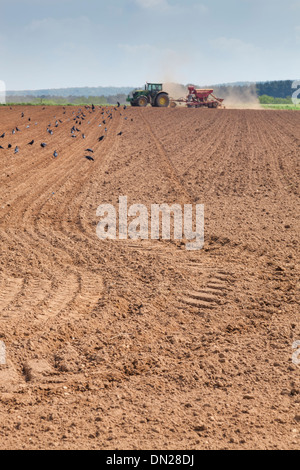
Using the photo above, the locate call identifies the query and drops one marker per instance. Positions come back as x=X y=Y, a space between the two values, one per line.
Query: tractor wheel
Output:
x=142 y=102
x=162 y=100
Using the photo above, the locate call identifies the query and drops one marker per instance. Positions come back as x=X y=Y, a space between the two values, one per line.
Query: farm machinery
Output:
x=199 y=98
x=153 y=94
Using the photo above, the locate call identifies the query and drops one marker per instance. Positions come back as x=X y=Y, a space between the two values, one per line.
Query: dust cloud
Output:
x=175 y=90
x=239 y=97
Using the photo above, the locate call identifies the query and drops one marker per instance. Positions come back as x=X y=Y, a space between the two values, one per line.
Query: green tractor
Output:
x=153 y=94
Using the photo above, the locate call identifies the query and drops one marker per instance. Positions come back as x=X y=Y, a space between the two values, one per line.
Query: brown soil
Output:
x=142 y=344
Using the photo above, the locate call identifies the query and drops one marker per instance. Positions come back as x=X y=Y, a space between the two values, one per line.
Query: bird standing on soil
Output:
x=55 y=154
x=16 y=150
x=43 y=145
x=91 y=159
x=31 y=143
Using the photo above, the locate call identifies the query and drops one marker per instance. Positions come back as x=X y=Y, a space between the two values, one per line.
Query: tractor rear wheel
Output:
x=142 y=102
x=162 y=100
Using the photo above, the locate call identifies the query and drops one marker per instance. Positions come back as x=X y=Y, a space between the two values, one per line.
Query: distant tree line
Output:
x=61 y=100
x=277 y=89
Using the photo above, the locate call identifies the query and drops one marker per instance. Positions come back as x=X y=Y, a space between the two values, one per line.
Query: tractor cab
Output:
x=154 y=88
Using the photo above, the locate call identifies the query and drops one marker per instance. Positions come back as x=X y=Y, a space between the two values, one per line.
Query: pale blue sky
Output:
x=64 y=43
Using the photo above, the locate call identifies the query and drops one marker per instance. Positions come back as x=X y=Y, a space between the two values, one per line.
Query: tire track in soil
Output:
x=209 y=296
x=89 y=286
x=74 y=285
x=9 y=290
x=213 y=291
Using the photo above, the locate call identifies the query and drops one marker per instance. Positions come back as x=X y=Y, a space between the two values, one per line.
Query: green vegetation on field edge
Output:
x=52 y=103
x=65 y=101
x=290 y=107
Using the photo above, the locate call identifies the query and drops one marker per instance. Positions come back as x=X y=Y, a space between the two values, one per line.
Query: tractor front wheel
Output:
x=142 y=102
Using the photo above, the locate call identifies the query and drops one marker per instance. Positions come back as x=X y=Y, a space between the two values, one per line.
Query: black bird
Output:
x=31 y=143
x=22 y=115
x=17 y=149
x=89 y=158
x=101 y=138
x=43 y=145
x=2 y=148
x=55 y=154
x=9 y=146
x=89 y=150
x=2 y=136
x=83 y=136
x=120 y=133
x=17 y=129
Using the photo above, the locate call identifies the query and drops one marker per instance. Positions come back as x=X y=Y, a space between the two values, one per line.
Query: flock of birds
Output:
x=78 y=117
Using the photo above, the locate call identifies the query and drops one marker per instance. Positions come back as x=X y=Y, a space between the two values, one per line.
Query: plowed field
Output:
x=143 y=344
